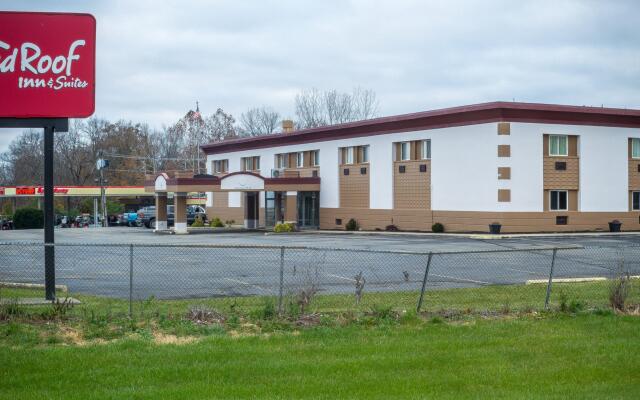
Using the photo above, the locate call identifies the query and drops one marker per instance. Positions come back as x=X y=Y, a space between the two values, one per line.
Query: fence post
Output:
x=424 y=283
x=281 y=280
x=553 y=262
x=130 y=280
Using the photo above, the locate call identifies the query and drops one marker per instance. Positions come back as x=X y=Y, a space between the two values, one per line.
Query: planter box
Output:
x=615 y=226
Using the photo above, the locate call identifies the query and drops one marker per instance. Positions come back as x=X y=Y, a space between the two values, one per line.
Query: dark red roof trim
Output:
x=292 y=181
x=216 y=180
x=443 y=118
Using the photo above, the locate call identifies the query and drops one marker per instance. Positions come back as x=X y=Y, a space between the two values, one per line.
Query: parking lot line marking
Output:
x=342 y=277
x=460 y=279
x=522 y=270
x=575 y=280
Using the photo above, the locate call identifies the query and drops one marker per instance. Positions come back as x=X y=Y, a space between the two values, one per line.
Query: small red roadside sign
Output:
x=47 y=65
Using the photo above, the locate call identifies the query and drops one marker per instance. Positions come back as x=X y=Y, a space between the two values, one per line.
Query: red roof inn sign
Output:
x=47 y=75
x=47 y=65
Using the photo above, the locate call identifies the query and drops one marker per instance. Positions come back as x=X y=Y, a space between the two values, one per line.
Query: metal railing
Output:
x=327 y=279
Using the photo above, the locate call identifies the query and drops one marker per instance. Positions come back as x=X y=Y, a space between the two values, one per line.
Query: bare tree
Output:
x=258 y=121
x=73 y=155
x=309 y=109
x=315 y=108
x=25 y=155
x=219 y=126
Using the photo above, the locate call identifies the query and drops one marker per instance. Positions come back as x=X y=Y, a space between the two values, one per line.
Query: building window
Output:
x=635 y=201
x=299 y=159
x=281 y=161
x=558 y=145
x=635 y=148
x=426 y=149
x=250 y=163
x=349 y=155
x=247 y=164
x=558 y=200
x=315 y=158
x=220 y=166
x=365 y=154
x=405 y=151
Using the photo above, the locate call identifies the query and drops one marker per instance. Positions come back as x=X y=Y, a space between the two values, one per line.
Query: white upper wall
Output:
x=465 y=165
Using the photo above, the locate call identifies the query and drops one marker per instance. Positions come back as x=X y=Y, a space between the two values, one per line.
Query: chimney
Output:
x=287 y=126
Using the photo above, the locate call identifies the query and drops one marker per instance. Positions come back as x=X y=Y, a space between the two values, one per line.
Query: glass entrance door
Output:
x=269 y=209
x=273 y=208
x=308 y=210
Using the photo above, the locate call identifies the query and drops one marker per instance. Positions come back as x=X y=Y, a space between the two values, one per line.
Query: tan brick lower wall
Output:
x=471 y=221
x=370 y=219
x=226 y=213
x=457 y=221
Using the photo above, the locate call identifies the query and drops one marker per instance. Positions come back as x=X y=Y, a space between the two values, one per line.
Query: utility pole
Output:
x=95 y=212
x=103 y=197
x=101 y=164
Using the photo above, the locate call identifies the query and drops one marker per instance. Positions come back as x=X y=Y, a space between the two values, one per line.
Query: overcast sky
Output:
x=156 y=58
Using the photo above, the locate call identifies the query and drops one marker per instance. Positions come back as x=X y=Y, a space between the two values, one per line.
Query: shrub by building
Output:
x=28 y=218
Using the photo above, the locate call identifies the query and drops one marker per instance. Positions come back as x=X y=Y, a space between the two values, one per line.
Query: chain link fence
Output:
x=314 y=279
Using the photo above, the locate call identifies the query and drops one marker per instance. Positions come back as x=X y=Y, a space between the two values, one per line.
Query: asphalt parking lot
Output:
x=392 y=242
x=98 y=261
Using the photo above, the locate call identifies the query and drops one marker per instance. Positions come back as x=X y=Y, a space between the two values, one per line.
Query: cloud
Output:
x=155 y=59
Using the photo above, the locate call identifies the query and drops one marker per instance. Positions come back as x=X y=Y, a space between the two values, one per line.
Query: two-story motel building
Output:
x=530 y=167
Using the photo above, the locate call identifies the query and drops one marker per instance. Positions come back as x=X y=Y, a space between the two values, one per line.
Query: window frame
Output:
x=558 y=191
x=365 y=154
x=426 y=149
x=558 y=153
x=220 y=166
x=349 y=155
x=255 y=163
x=247 y=163
x=315 y=158
x=633 y=202
x=635 y=145
x=279 y=160
x=402 y=147
x=300 y=159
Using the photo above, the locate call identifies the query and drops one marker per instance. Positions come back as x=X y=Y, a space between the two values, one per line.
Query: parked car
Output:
x=132 y=218
x=84 y=220
x=6 y=223
x=113 y=220
x=145 y=214
x=65 y=221
x=148 y=215
x=129 y=218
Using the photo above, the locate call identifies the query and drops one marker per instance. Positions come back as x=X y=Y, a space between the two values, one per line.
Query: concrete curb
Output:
x=17 y=285
x=203 y=230
x=482 y=236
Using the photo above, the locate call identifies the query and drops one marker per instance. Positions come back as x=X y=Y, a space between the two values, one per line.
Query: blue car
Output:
x=129 y=219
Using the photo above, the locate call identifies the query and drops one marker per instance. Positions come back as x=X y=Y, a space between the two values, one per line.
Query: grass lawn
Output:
x=556 y=356
x=488 y=342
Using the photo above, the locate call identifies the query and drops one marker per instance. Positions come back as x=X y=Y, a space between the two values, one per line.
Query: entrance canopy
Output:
x=233 y=182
